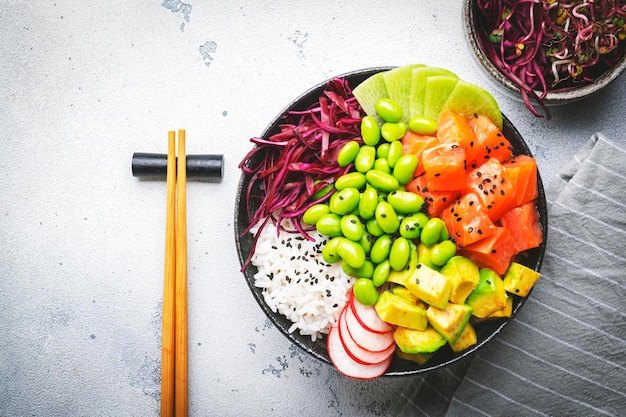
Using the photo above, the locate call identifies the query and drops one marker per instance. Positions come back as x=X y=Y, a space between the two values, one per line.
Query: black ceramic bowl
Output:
x=485 y=331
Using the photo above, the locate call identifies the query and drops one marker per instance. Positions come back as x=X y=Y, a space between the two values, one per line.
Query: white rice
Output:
x=297 y=282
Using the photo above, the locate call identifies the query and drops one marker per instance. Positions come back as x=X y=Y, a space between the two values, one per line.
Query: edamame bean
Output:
x=329 y=225
x=329 y=252
x=344 y=201
x=411 y=226
x=370 y=131
x=366 y=271
x=404 y=169
x=431 y=231
x=381 y=248
x=381 y=273
x=351 y=180
x=405 y=202
x=388 y=110
x=399 y=254
x=381 y=180
x=368 y=203
x=373 y=227
x=351 y=252
x=323 y=191
x=395 y=152
x=365 y=159
x=442 y=252
x=423 y=125
x=313 y=213
x=381 y=164
x=347 y=153
x=386 y=217
x=382 y=150
x=365 y=291
x=392 y=131
x=367 y=240
x=444 y=233
x=351 y=227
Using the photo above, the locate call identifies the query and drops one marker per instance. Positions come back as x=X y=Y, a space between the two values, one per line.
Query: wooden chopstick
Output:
x=180 y=385
x=168 y=330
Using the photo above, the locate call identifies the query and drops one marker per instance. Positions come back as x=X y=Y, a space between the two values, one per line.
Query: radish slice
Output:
x=368 y=317
x=348 y=366
x=366 y=339
x=355 y=351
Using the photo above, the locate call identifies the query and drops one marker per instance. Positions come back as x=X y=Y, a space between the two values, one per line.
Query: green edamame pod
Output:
x=405 y=202
x=395 y=152
x=344 y=201
x=370 y=131
x=382 y=150
x=329 y=252
x=381 y=180
x=347 y=153
x=329 y=225
x=386 y=217
x=392 y=131
x=381 y=164
x=366 y=271
x=388 y=110
x=351 y=180
x=351 y=252
x=404 y=169
x=365 y=159
x=381 y=248
x=423 y=125
x=381 y=273
x=351 y=227
x=399 y=254
x=432 y=231
x=442 y=252
x=313 y=213
x=368 y=203
x=373 y=227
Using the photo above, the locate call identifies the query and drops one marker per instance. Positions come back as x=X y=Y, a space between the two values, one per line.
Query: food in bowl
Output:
x=549 y=51
x=336 y=181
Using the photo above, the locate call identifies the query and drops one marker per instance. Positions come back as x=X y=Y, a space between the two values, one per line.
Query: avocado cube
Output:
x=520 y=279
x=506 y=312
x=464 y=275
x=418 y=358
x=418 y=341
x=394 y=309
x=489 y=295
x=430 y=286
x=450 y=321
x=466 y=339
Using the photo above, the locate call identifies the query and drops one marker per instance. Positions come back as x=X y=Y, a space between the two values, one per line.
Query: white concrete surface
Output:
x=85 y=84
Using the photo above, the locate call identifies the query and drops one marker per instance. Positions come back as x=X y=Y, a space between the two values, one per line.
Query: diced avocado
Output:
x=464 y=275
x=465 y=340
x=429 y=286
x=418 y=358
x=418 y=341
x=506 y=312
x=520 y=279
x=399 y=277
x=407 y=295
x=489 y=295
x=396 y=310
x=423 y=255
x=450 y=321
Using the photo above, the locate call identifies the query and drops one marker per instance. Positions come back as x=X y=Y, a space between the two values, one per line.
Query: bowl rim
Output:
x=304 y=342
x=551 y=97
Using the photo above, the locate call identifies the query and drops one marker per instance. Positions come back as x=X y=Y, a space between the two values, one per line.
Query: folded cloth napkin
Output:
x=564 y=353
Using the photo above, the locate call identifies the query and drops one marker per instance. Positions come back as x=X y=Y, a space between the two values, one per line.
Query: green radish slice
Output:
x=468 y=98
x=369 y=91
x=438 y=89
x=418 y=87
x=398 y=84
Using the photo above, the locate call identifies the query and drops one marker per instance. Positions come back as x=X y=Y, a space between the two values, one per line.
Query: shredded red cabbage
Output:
x=551 y=45
x=299 y=161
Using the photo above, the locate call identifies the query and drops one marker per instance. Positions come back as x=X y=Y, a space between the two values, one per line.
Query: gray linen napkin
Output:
x=564 y=354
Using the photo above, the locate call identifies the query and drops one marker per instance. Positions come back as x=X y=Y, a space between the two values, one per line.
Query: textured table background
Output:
x=83 y=85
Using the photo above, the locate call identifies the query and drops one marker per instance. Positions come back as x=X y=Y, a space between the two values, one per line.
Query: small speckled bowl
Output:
x=510 y=89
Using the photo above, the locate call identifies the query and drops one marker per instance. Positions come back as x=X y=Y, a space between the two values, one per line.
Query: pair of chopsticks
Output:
x=174 y=336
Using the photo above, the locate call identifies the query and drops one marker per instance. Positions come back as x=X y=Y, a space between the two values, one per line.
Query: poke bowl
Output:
x=547 y=53
x=249 y=199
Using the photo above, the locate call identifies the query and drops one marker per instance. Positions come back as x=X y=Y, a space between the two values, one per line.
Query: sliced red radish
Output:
x=368 y=317
x=366 y=339
x=348 y=366
x=355 y=351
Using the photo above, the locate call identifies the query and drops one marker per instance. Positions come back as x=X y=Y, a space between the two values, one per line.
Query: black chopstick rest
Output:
x=154 y=165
